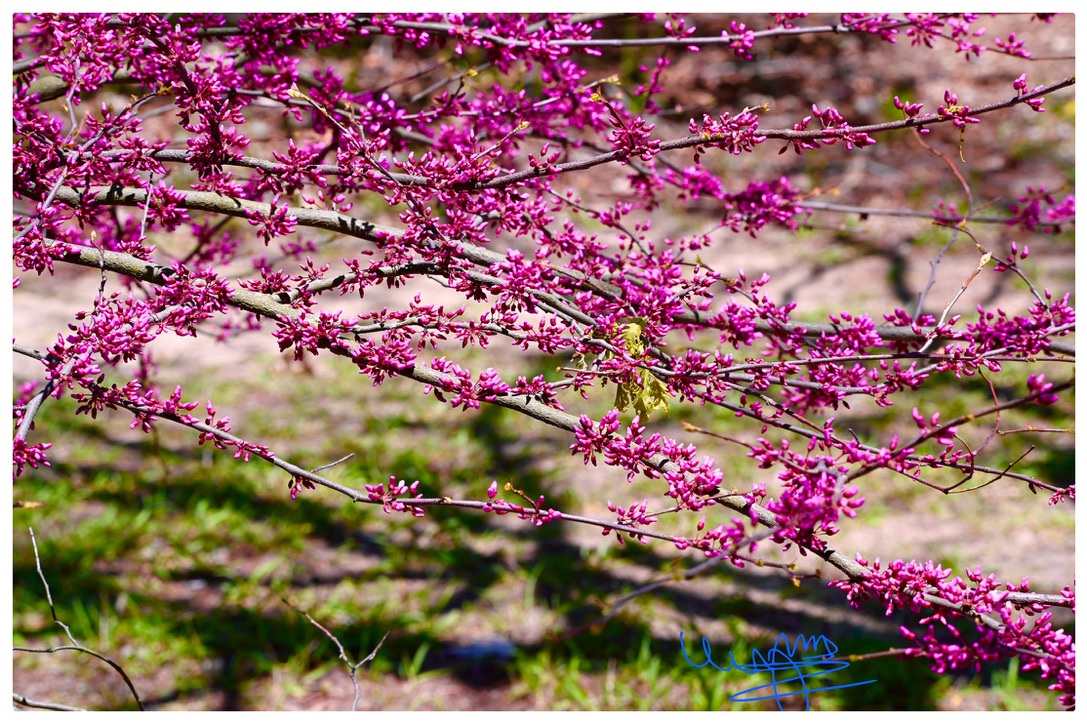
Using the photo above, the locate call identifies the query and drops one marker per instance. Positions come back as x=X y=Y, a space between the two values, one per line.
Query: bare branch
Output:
x=23 y=700
x=352 y=667
x=75 y=643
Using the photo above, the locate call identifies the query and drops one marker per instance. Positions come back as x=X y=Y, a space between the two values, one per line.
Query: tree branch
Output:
x=351 y=226
x=75 y=644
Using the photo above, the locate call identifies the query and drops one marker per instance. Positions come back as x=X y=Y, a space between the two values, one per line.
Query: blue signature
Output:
x=782 y=657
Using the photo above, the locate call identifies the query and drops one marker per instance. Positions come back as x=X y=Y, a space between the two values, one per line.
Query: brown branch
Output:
x=919 y=121
x=44 y=705
x=357 y=228
x=353 y=667
x=786 y=135
x=865 y=211
x=567 y=422
x=527 y=406
x=75 y=644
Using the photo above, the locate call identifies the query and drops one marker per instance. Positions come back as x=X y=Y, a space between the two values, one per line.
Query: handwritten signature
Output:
x=782 y=657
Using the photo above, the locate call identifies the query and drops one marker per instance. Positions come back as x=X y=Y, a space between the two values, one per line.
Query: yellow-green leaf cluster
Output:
x=645 y=392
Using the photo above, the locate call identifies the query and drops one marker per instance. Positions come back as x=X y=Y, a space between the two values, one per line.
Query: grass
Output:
x=184 y=565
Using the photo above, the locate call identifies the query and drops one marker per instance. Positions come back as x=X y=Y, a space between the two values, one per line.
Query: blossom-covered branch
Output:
x=239 y=175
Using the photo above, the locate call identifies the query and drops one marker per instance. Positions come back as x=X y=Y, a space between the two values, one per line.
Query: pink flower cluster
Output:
x=968 y=622
x=179 y=153
x=390 y=495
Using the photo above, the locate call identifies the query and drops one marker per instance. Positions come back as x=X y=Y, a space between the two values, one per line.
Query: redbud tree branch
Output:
x=464 y=146
x=357 y=228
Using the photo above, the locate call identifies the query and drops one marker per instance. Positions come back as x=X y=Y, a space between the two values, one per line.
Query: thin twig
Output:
x=864 y=211
x=75 y=643
x=147 y=205
x=934 y=263
x=947 y=309
x=353 y=667
x=333 y=464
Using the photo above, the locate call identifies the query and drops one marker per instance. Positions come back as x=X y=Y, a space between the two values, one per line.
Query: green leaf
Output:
x=646 y=393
